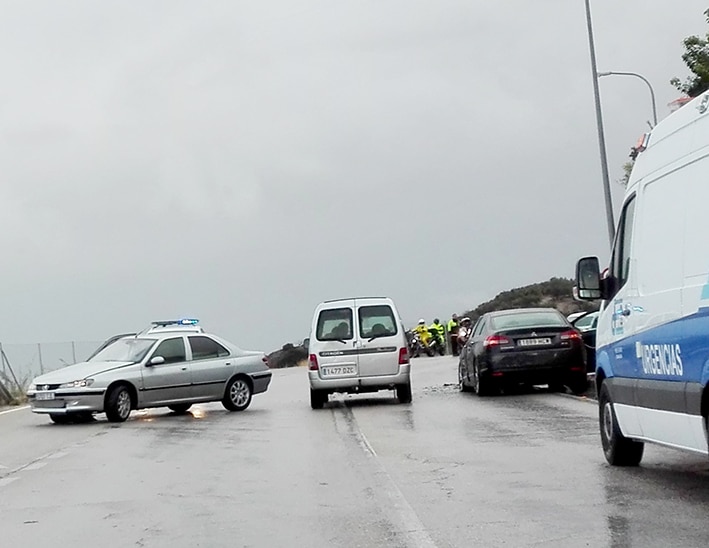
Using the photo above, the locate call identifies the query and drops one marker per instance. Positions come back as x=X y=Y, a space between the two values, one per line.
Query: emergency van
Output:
x=652 y=347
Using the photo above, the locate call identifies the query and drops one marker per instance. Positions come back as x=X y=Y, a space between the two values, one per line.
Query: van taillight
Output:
x=403 y=356
x=313 y=362
x=495 y=340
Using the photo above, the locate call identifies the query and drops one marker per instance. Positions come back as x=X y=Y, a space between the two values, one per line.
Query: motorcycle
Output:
x=437 y=343
x=416 y=345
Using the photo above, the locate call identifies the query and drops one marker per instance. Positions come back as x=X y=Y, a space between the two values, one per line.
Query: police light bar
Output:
x=184 y=321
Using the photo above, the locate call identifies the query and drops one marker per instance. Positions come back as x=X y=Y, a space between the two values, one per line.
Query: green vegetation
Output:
x=555 y=293
x=696 y=57
x=288 y=356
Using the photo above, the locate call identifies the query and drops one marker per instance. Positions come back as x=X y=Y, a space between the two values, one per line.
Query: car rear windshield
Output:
x=376 y=321
x=335 y=325
x=522 y=320
x=124 y=350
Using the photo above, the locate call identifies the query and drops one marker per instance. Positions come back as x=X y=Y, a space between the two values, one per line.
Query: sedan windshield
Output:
x=124 y=350
x=528 y=319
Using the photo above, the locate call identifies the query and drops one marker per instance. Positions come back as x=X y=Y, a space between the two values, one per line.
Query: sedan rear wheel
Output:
x=481 y=384
x=238 y=394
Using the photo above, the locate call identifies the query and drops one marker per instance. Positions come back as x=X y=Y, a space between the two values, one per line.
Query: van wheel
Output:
x=618 y=450
x=60 y=419
x=318 y=399
x=403 y=393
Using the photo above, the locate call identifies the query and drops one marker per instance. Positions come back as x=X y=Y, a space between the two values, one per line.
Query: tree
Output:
x=696 y=57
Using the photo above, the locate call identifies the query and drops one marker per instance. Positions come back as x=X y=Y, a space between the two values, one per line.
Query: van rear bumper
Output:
x=360 y=384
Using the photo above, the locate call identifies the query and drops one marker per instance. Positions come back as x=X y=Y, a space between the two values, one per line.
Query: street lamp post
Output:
x=599 y=124
x=636 y=75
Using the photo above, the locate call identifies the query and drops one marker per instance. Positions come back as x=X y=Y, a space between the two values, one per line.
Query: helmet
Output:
x=422 y=321
x=436 y=321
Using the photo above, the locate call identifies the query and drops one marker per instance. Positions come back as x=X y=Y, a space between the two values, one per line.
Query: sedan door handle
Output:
x=228 y=363
x=184 y=368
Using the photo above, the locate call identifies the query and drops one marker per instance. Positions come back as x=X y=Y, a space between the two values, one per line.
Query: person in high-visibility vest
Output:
x=422 y=332
x=453 y=327
x=438 y=331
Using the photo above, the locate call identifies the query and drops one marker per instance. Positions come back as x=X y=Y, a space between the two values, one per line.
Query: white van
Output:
x=652 y=361
x=358 y=345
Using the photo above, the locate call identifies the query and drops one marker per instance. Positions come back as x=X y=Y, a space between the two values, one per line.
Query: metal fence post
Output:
x=4 y=370
x=73 y=351
x=41 y=365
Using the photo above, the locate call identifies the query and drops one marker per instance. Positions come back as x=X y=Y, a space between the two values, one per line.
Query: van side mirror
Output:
x=588 y=280
x=156 y=360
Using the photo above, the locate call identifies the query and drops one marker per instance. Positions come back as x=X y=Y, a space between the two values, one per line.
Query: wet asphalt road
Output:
x=450 y=469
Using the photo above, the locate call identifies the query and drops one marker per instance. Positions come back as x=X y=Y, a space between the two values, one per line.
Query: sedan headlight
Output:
x=83 y=383
x=32 y=388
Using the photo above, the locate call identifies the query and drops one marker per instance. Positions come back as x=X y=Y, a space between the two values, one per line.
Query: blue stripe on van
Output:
x=677 y=351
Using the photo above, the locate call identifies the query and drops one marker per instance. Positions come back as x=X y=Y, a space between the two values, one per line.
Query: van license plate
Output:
x=535 y=342
x=44 y=396
x=339 y=371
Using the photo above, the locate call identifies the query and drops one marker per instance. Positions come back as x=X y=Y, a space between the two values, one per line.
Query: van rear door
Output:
x=379 y=338
x=336 y=344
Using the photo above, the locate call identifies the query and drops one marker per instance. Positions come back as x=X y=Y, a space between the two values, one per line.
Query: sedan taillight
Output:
x=495 y=340
x=571 y=335
x=313 y=366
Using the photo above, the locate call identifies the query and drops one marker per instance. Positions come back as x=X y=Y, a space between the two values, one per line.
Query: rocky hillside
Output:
x=556 y=293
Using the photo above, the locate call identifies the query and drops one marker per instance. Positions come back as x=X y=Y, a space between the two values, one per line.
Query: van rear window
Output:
x=376 y=321
x=335 y=325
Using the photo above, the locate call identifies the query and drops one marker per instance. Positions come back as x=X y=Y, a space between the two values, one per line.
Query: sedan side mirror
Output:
x=156 y=360
x=588 y=279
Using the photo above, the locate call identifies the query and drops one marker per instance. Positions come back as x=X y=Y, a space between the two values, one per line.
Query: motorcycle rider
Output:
x=453 y=327
x=422 y=331
x=439 y=332
x=466 y=328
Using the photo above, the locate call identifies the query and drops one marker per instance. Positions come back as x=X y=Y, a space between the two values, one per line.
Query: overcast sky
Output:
x=240 y=161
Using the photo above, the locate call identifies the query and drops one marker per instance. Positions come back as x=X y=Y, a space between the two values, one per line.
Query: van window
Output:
x=335 y=325
x=376 y=321
x=622 y=249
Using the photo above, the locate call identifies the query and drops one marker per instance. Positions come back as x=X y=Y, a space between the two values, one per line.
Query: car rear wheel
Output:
x=238 y=394
x=464 y=387
x=618 y=450
x=579 y=385
x=318 y=399
x=60 y=419
x=180 y=409
x=481 y=385
x=557 y=387
x=403 y=393
x=118 y=404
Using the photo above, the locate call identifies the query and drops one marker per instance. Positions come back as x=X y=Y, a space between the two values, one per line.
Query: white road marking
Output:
x=36 y=466
x=412 y=528
x=58 y=455
x=7 y=481
x=15 y=409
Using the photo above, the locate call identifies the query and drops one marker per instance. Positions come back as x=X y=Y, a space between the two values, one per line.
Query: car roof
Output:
x=511 y=311
x=356 y=299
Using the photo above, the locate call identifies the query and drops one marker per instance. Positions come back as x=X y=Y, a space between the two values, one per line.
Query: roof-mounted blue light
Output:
x=189 y=321
x=183 y=321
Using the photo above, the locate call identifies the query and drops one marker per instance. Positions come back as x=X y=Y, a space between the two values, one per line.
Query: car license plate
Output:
x=44 y=396
x=339 y=371
x=535 y=342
